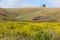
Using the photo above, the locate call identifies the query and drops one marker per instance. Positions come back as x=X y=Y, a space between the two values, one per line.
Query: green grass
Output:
x=29 y=30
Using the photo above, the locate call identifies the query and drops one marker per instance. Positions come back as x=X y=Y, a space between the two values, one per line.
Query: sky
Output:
x=25 y=3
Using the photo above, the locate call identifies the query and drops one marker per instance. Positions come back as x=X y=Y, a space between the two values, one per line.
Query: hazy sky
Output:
x=24 y=3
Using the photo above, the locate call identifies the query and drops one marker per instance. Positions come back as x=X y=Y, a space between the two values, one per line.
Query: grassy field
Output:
x=30 y=23
x=29 y=30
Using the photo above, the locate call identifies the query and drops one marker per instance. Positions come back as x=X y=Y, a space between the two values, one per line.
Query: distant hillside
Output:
x=4 y=15
x=30 y=14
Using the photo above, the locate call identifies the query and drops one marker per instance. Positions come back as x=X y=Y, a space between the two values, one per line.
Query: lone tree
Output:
x=43 y=5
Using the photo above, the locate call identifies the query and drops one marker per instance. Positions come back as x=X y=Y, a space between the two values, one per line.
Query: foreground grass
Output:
x=29 y=30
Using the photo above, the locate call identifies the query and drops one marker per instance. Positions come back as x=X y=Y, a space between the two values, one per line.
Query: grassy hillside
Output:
x=4 y=15
x=33 y=14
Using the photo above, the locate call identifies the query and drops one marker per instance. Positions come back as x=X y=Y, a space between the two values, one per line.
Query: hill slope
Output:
x=4 y=15
x=33 y=14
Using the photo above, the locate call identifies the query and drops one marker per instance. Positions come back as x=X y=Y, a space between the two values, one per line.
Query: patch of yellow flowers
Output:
x=30 y=28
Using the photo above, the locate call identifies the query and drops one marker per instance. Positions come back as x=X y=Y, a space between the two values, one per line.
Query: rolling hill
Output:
x=30 y=14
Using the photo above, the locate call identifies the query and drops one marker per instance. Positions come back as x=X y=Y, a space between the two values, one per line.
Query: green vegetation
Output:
x=29 y=30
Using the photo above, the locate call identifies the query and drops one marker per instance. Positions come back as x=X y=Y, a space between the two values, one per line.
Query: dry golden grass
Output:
x=27 y=14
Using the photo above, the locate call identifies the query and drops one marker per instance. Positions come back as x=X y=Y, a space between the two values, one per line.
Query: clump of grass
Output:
x=41 y=35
